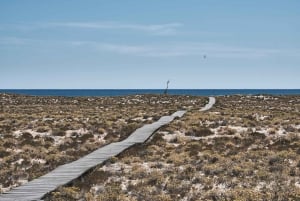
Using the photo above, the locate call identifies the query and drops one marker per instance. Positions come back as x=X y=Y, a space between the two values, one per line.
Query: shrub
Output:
x=58 y=132
x=3 y=153
x=42 y=129
x=85 y=137
x=199 y=132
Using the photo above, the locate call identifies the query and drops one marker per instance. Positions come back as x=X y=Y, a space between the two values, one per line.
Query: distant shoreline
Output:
x=125 y=92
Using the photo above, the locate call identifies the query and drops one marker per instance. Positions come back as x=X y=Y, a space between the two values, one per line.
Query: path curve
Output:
x=209 y=105
x=64 y=174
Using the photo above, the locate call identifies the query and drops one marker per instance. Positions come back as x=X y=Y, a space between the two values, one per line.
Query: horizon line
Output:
x=151 y=89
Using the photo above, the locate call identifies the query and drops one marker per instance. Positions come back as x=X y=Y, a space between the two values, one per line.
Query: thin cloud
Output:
x=182 y=49
x=15 y=41
x=155 y=29
x=178 y=49
x=160 y=29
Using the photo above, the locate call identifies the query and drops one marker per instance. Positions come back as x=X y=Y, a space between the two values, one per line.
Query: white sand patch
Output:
x=140 y=119
x=255 y=147
x=292 y=162
x=80 y=131
x=219 y=133
x=220 y=187
x=207 y=123
x=22 y=181
x=108 y=168
x=58 y=140
x=271 y=132
x=296 y=126
x=262 y=118
x=34 y=121
x=151 y=118
x=260 y=97
x=297 y=184
x=121 y=121
x=134 y=182
x=97 y=189
x=47 y=119
x=259 y=117
x=263 y=131
x=136 y=99
x=37 y=161
x=216 y=113
x=19 y=162
x=17 y=150
x=169 y=138
x=116 y=167
x=181 y=168
x=239 y=129
x=281 y=131
x=223 y=129
x=146 y=167
x=4 y=190
x=124 y=184
x=177 y=135
x=218 y=130
x=100 y=137
x=260 y=186
x=197 y=187
x=18 y=133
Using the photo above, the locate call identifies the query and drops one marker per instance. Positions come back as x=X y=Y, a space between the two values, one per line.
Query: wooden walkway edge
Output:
x=36 y=189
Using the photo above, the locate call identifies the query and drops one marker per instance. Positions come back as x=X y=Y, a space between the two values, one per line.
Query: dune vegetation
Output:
x=37 y=134
x=245 y=148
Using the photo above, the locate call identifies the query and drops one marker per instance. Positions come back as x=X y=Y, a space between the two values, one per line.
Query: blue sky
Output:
x=98 y=44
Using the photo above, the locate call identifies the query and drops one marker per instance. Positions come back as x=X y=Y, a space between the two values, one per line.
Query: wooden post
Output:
x=166 y=90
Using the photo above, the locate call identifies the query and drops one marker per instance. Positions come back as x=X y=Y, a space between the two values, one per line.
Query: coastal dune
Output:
x=65 y=173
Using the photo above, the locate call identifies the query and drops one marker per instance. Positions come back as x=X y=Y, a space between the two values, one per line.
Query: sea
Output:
x=124 y=92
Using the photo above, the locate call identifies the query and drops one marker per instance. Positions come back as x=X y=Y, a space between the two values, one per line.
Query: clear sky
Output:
x=202 y=44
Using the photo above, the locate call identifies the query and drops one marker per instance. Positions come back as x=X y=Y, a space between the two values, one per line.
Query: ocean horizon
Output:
x=125 y=92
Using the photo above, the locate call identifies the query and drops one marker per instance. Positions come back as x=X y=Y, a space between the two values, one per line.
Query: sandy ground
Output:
x=37 y=134
x=245 y=148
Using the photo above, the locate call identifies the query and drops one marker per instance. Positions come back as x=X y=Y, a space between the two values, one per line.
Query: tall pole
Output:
x=166 y=90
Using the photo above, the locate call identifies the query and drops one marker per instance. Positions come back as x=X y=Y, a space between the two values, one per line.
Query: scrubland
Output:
x=37 y=134
x=245 y=148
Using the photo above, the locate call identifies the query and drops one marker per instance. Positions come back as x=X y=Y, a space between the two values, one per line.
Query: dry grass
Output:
x=39 y=133
x=245 y=148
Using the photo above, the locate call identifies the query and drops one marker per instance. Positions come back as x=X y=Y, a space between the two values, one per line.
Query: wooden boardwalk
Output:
x=37 y=188
x=211 y=102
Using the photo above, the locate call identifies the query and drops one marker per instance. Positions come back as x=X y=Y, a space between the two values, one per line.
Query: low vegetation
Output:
x=245 y=148
x=37 y=134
